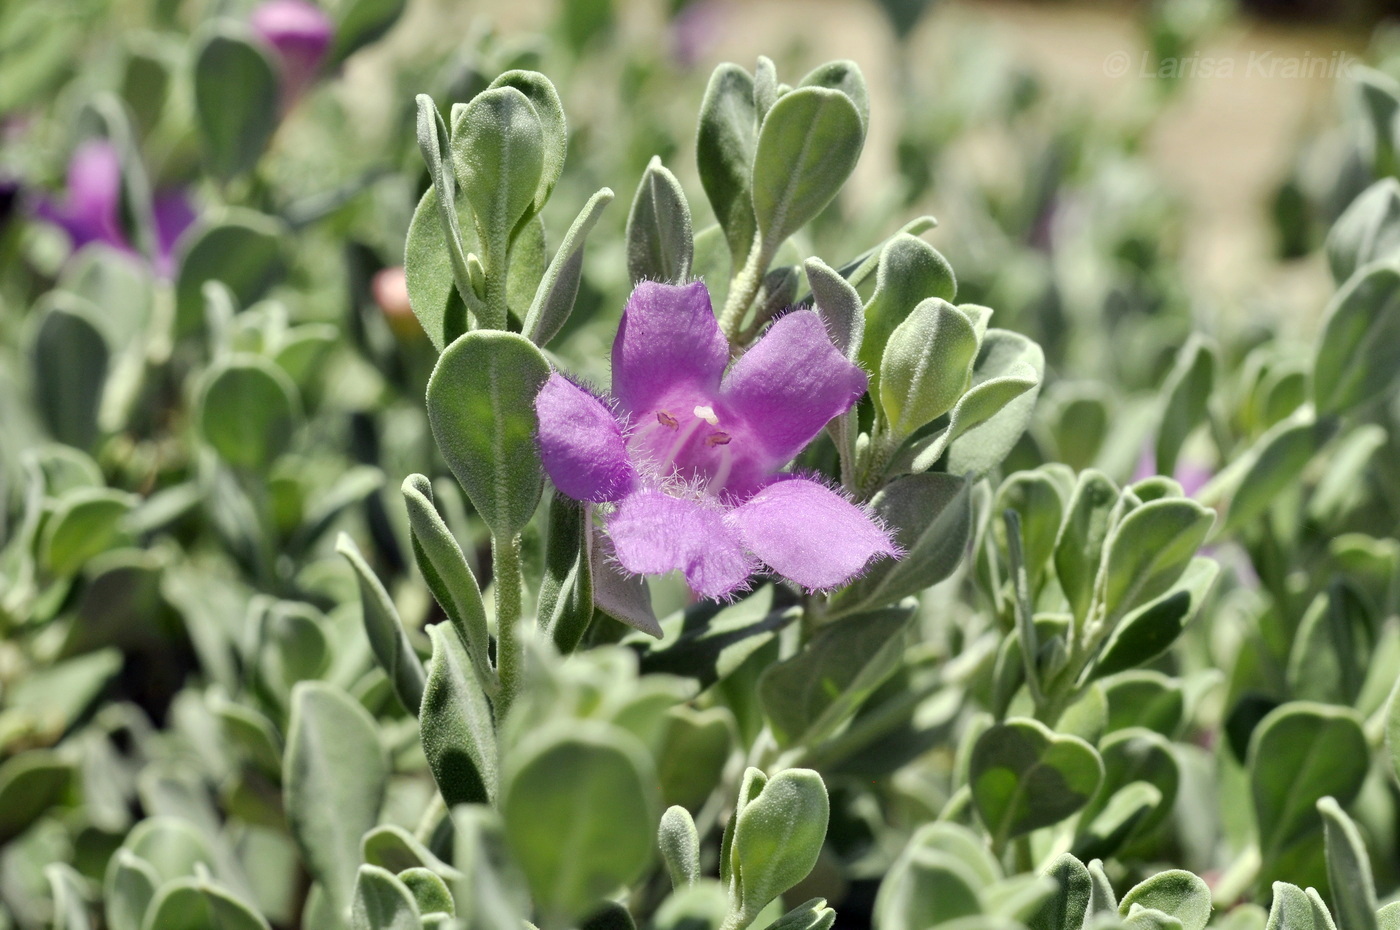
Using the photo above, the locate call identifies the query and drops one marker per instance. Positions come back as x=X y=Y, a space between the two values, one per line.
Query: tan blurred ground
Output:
x=1223 y=145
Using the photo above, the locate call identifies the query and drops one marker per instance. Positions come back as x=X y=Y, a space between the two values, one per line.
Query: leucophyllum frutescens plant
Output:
x=801 y=457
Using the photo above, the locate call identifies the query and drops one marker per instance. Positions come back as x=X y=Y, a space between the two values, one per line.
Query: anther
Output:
x=707 y=414
x=717 y=439
x=666 y=420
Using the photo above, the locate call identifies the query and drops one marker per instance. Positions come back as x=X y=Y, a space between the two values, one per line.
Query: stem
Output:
x=743 y=288
x=497 y=267
x=437 y=809
x=510 y=648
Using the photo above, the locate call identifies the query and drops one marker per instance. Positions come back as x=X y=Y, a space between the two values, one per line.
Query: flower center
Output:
x=683 y=440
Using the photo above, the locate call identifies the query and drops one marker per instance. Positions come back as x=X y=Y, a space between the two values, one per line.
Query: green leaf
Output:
x=334 y=776
x=1023 y=777
x=702 y=906
x=809 y=915
x=429 y=278
x=438 y=293
x=693 y=754
x=128 y=891
x=989 y=419
x=1174 y=892
x=927 y=887
x=51 y=699
x=680 y=846
x=1137 y=754
x=725 y=143
x=498 y=151
x=448 y=575
x=1292 y=909
x=777 y=837
x=247 y=410
x=558 y=288
x=1119 y=820
x=1299 y=754
x=242 y=249
x=1367 y=231
x=846 y=77
x=554 y=128
x=660 y=243
x=1348 y=869
x=1259 y=477
x=807 y=147
x=481 y=399
x=385 y=631
x=1079 y=546
x=926 y=366
x=1331 y=647
x=1359 y=352
x=429 y=890
x=807 y=697
x=455 y=724
x=382 y=902
x=909 y=272
x=1067 y=908
x=69 y=900
x=491 y=894
x=86 y=523
x=1148 y=551
x=31 y=783
x=1187 y=393
x=1038 y=502
x=69 y=361
x=579 y=805
x=359 y=23
x=1150 y=630
x=839 y=305
x=196 y=904
x=931 y=517
x=236 y=94
x=391 y=847
x=1144 y=698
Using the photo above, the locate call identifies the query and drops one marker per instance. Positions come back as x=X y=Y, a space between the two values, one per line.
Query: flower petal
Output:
x=655 y=533
x=581 y=443
x=790 y=384
x=809 y=533
x=668 y=341
x=95 y=182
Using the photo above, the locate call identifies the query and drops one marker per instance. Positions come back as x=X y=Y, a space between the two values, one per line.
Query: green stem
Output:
x=510 y=648
x=497 y=265
x=743 y=288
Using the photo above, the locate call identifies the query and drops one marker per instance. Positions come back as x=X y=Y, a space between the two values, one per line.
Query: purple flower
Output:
x=694 y=30
x=90 y=210
x=689 y=453
x=91 y=207
x=300 y=33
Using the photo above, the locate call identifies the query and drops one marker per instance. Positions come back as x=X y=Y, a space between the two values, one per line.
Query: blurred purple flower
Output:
x=90 y=210
x=690 y=453
x=300 y=33
x=694 y=30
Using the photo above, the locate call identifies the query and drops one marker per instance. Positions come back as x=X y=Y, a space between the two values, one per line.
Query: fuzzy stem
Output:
x=510 y=648
x=743 y=288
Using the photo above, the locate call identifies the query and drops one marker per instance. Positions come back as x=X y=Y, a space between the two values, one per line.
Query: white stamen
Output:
x=707 y=414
